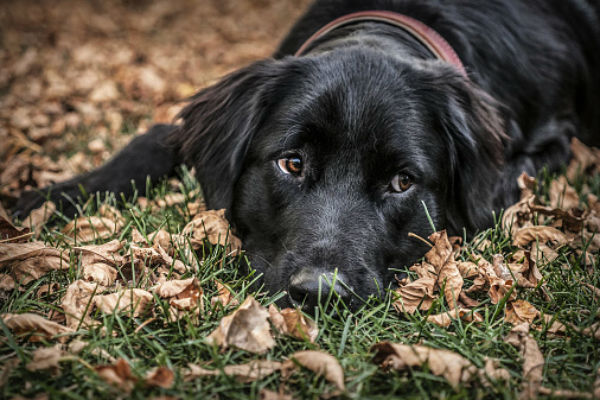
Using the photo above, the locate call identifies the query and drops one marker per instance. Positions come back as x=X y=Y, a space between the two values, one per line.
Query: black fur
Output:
x=367 y=102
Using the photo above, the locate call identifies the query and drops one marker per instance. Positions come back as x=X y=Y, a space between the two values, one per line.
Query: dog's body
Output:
x=325 y=161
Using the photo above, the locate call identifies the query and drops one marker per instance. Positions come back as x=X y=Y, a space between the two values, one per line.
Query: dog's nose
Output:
x=309 y=288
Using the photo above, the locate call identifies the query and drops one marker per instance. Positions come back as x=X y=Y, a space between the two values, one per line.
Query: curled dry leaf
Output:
x=30 y=261
x=488 y=277
x=319 y=362
x=99 y=262
x=533 y=360
x=266 y=394
x=136 y=301
x=87 y=229
x=292 y=322
x=584 y=158
x=416 y=294
x=38 y=217
x=118 y=375
x=445 y=319
x=7 y=282
x=36 y=325
x=212 y=226
x=249 y=372
x=225 y=297
x=185 y=295
x=452 y=366
x=10 y=233
x=441 y=257
x=562 y=195
x=160 y=377
x=520 y=311
x=77 y=303
x=246 y=328
x=543 y=234
x=46 y=358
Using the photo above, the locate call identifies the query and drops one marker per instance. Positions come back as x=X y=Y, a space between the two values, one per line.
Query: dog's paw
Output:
x=29 y=201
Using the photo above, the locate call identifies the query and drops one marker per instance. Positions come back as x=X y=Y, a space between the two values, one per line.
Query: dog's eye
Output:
x=291 y=165
x=400 y=183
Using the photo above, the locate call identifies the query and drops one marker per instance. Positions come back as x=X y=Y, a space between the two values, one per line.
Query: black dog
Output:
x=326 y=161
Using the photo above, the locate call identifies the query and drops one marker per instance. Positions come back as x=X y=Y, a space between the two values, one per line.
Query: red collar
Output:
x=426 y=35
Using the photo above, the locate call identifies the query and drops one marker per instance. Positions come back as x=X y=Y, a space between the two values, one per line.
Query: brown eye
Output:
x=401 y=183
x=291 y=165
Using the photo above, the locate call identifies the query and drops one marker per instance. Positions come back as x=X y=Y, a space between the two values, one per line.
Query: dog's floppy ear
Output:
x=472 y=125
x=219 y=124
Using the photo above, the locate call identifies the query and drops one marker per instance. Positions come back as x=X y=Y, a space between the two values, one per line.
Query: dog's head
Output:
x=326 y=163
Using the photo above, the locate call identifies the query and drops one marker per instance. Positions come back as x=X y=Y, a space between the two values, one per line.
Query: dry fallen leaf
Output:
x=10 y=233
x=533 y=360
x=46 y=358
x=266 y=394
x=520 y=311
x=246 y=328
x=225 y=297
x=319 y=362
x=30 y=261
x=7 y=282
x=38 y=217
x=36 y=325
x=213 y=226
x=136 y=301
x=445 y=319
x=87 y=229
x=543 y=234
x=249 y=372
x=185 y=295
x=292 y=322
x=118 y=374
x=562 y=195
x=452 y=366
x=441 y=256
x=77 y=302
x=416 y=294
x=160 y=377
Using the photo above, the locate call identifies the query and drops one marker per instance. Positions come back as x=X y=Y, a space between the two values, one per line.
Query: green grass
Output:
x=571 y=360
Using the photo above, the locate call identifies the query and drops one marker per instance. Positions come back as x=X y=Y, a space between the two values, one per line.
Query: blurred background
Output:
x=79 y=78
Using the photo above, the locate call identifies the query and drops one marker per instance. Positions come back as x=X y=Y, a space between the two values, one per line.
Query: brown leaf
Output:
x=6 y=282
x=249 y=372
x=36 y=325
x=185 y=295
x=225 y=296
x=160 y=377
x=555 y=325
x=213 y=226
x=246 y=328
x=10 y=233
x=46 y=358
x=30 y=261
x=118 y=374
x=520 y=311
x=583 y=159
x=468 y=269
x=77 y=302
x=292 y=322
x=87 y=229
x=592 y=331
x=319 y=362
x=441 y=257
x=38 y=217
x=564 y=394
x=452 y=366
x=136 y=301
x=533 y=360
x=543 y=234
x=416 y=294
x=445 y=319
x=266 y=394
x=562 y=195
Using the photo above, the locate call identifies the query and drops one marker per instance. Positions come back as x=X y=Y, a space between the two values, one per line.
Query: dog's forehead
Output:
x=361 y=104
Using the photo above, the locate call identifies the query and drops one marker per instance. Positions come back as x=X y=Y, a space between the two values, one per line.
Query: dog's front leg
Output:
x=146 y=156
